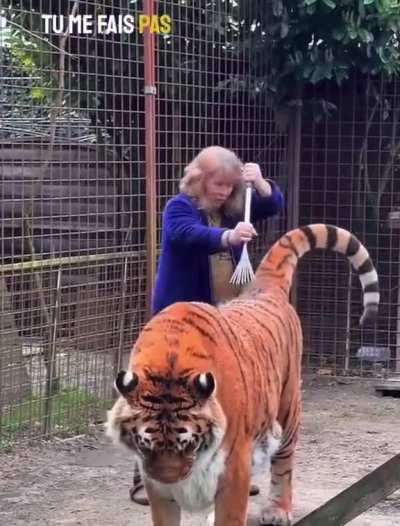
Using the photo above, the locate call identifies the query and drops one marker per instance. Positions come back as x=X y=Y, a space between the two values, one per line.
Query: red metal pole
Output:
x=150 y=156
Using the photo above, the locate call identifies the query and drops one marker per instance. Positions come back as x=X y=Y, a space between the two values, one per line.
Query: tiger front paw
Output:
x=210 y=519
x=274 y=515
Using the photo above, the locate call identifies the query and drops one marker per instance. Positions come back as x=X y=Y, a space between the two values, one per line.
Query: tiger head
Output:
x=168 y=413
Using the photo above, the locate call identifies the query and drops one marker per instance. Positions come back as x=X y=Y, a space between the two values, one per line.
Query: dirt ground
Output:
x=347 y=431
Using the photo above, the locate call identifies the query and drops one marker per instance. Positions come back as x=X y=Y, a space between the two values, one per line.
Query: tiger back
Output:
x=213 y=393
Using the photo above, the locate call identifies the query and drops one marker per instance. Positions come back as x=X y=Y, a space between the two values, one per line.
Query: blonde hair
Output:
x=226 y=162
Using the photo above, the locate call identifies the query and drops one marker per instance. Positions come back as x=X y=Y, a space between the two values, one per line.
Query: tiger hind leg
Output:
x=278 y=511
x=210 y=520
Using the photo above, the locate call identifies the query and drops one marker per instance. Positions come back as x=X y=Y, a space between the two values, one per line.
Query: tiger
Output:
x=213 y=393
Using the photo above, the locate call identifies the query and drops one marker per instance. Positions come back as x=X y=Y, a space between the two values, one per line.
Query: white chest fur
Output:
x=262 y=455
x=197 y=492
x=265 y=449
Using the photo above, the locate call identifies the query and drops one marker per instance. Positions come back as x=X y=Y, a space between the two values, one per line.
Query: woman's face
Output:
x=217 y=189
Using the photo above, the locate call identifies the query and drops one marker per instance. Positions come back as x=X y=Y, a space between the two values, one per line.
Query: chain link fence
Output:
x=349 y=176
x=73 y=211
x=74 y=235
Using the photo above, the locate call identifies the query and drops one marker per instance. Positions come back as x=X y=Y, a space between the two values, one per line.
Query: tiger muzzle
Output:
x=168 y=468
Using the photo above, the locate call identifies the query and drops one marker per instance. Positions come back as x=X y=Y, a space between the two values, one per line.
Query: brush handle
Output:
x=247 y=205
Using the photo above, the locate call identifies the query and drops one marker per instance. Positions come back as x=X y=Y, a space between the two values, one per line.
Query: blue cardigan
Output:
x=186 y=243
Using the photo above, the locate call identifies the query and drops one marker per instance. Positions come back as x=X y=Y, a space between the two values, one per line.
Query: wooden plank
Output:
x=391 y=385
x=388 y=387
x=60 y=152
x=68 y=172
x=102 y=209
x=17 y=189
x=358 y=498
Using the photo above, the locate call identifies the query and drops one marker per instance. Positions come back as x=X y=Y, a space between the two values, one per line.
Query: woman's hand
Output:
x=242 y=233
x=252 y=174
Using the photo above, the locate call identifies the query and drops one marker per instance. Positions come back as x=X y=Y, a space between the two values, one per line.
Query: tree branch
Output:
x=393 y=153
x=34 y=35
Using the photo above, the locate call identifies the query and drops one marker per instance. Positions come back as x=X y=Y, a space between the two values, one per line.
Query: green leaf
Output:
x=338 y=33
x=307 y=71
x=340 y=74
x=353 y=33
x=330 y=3
x=38 y=94
x=365 y=35
x=319 y=73
x=27 y=62
x=277 y=7
x=394 y=25
x=383 y=55
x=368 y=2
x=328 y=55
x=298 y=57
x=284 y=29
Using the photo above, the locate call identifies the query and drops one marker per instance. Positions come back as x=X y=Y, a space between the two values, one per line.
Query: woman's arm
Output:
x=182 y=227
x=267 y=198
x=263 y=207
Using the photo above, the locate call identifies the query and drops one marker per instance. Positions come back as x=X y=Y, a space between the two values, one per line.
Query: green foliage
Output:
x=23 y=57
x=295 y=43
x=70 y=410
x=289 y=44
x=28 y=91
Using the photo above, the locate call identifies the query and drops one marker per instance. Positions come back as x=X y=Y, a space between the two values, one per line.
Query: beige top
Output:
x=222 y=268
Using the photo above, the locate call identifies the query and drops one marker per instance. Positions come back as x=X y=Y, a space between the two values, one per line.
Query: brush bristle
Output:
x=244 y=271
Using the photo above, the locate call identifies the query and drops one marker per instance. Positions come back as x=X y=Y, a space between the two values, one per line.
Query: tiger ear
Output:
x=126 y=382
x=204 y=385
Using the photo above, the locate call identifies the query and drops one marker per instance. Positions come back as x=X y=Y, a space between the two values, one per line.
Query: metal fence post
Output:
x=293 y=167
x=150 y=146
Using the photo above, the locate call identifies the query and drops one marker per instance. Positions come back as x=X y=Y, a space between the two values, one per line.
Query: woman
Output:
x=202 y=236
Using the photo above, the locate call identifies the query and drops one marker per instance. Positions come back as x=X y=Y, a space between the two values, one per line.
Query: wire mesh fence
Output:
x=72 y=206
x=73 y=188
x=74 y=226
x=349 y=176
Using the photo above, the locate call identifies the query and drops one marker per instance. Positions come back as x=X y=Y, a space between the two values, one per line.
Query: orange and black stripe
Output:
x=280 y=262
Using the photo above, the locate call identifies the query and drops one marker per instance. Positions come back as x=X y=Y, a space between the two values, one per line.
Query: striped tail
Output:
x=279 y=264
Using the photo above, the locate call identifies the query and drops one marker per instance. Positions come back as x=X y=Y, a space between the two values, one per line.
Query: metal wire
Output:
x=72 y=212
x=349 y=176
x=74 y=246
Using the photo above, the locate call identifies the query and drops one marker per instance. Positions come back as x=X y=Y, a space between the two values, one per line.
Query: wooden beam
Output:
x=391 y=386
x=358 y=498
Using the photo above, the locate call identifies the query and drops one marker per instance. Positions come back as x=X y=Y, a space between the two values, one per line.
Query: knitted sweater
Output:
x=187 y=242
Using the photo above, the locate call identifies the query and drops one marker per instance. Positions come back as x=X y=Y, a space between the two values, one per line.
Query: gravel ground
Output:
x=347 y=431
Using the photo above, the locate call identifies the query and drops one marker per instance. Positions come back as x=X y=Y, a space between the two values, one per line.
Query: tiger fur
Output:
x=214 y=392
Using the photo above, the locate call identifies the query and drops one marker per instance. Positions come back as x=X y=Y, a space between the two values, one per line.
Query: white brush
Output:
x=244 y=271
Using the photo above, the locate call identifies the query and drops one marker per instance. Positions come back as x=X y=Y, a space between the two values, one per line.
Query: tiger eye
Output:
x=181 y=430
x=150 y=430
